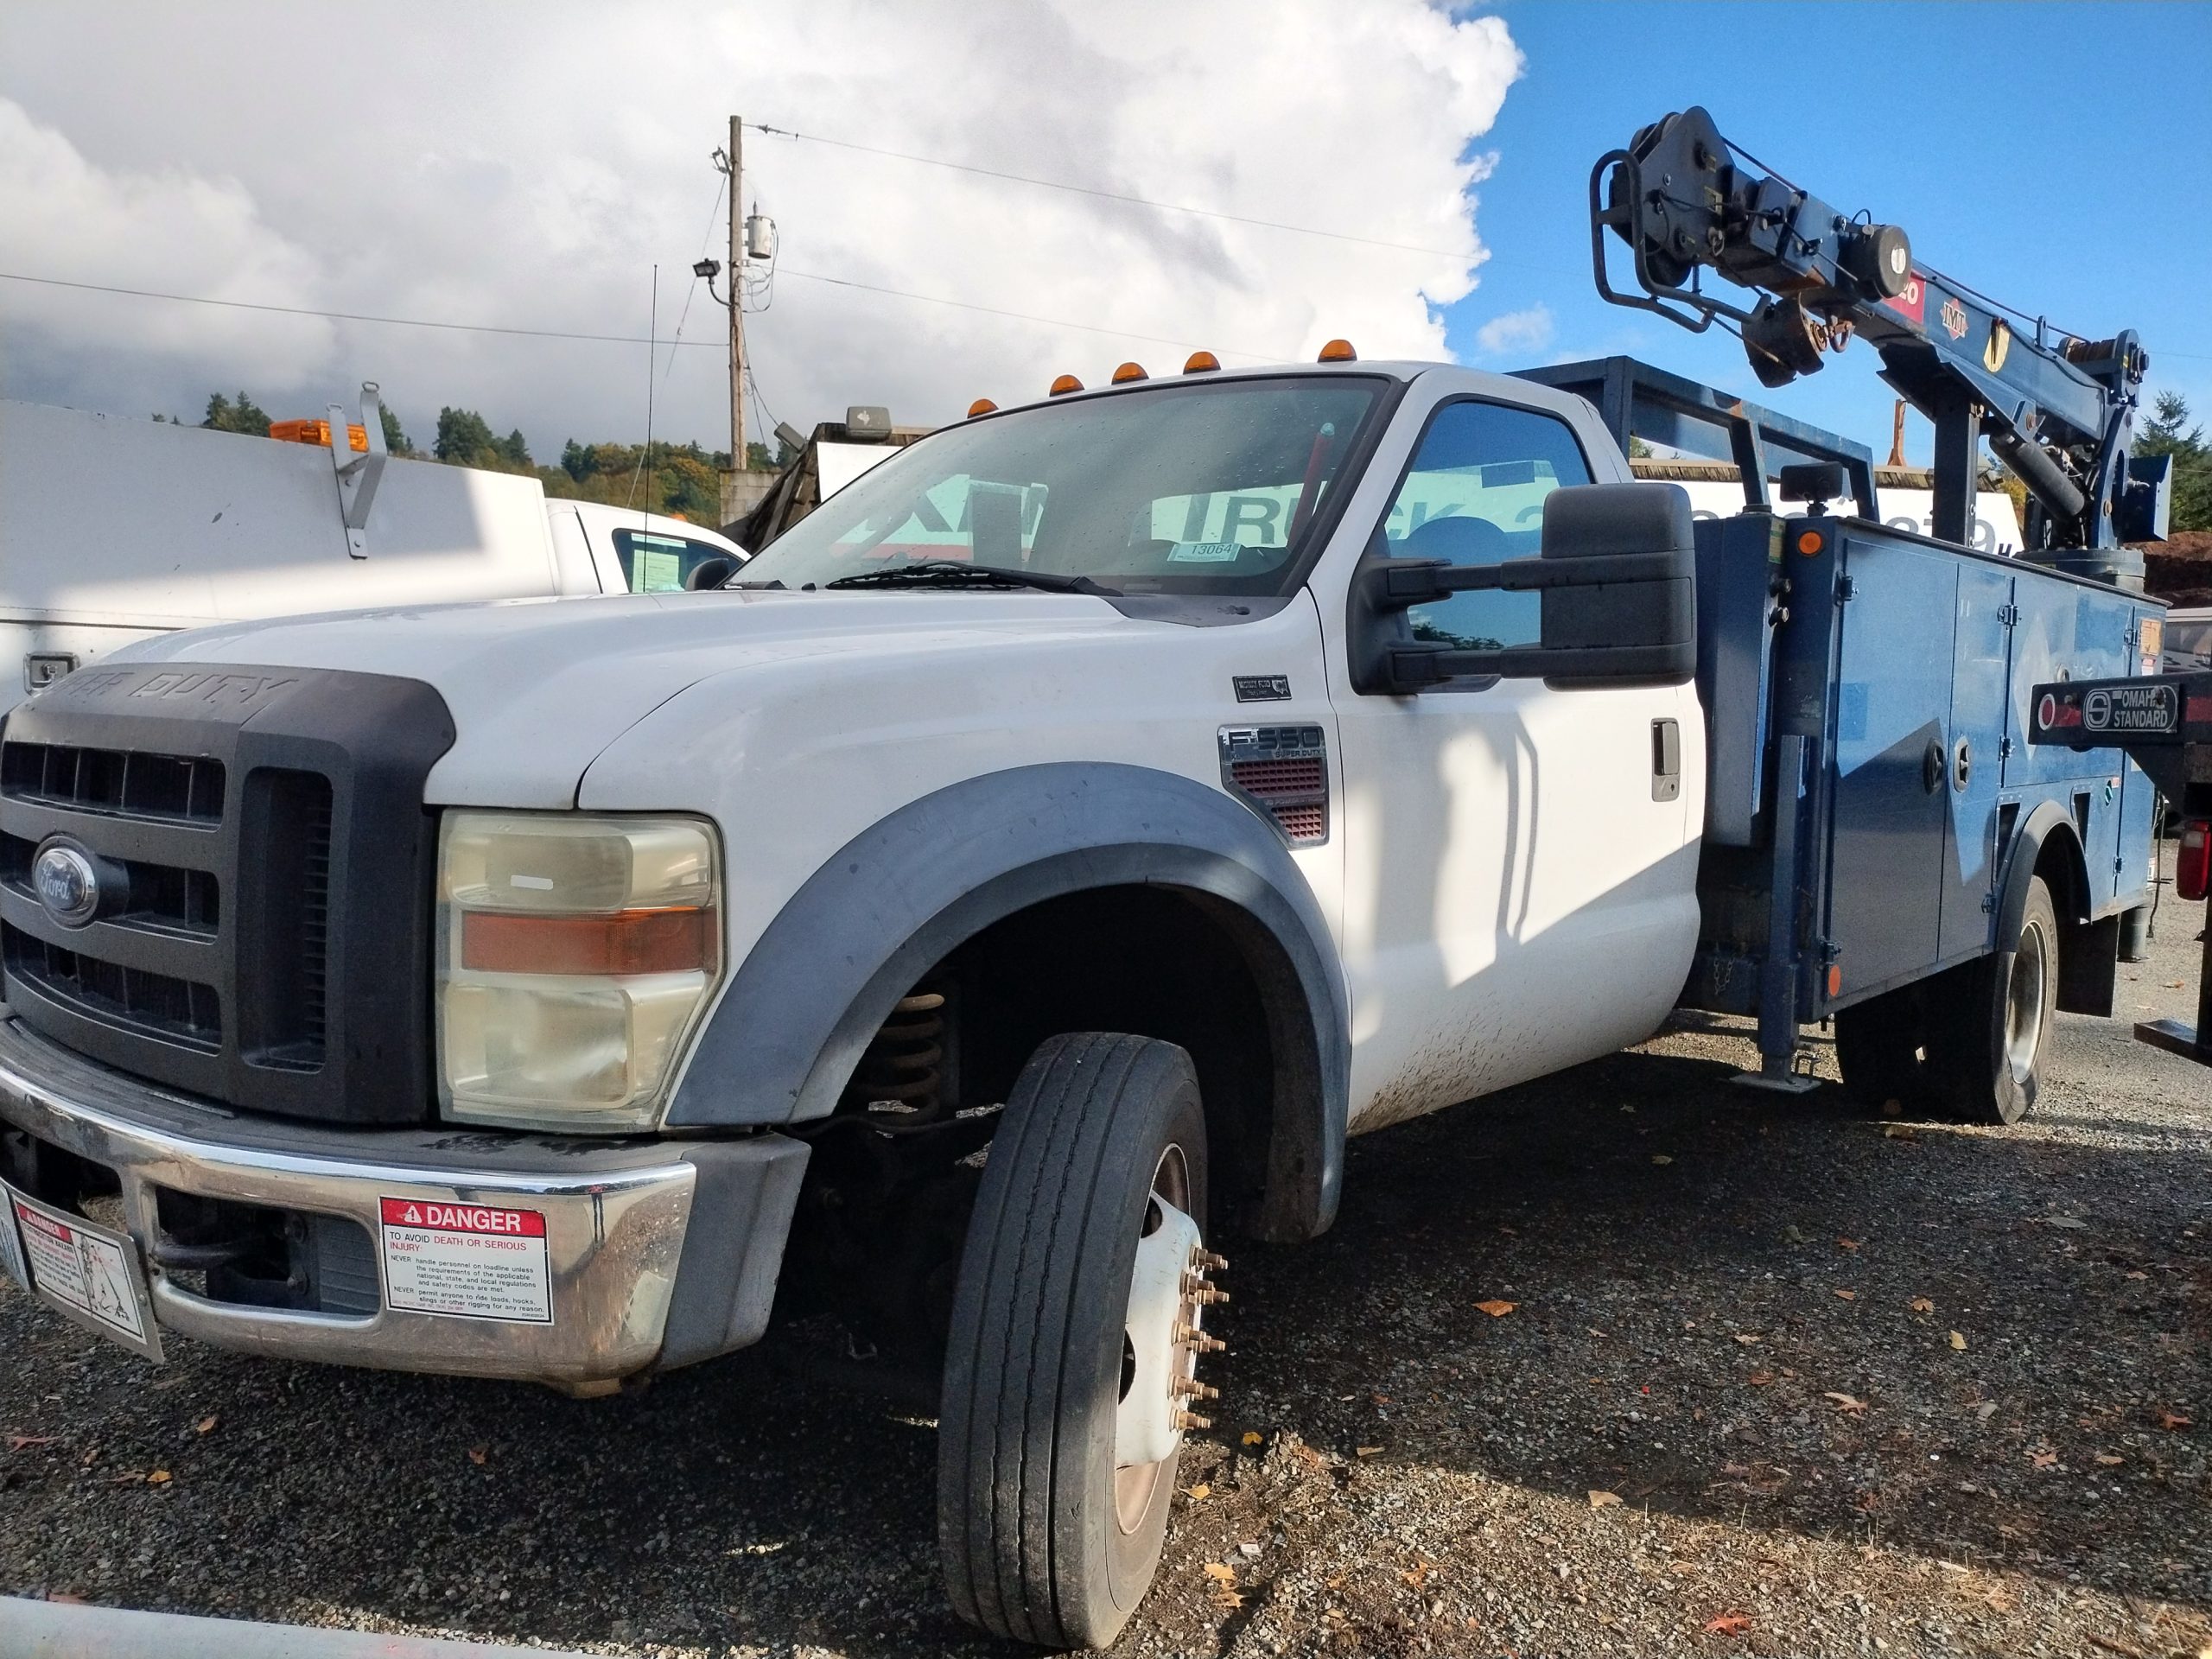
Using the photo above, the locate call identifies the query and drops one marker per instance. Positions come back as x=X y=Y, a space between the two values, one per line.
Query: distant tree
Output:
x=2168 y=431
x=394 y=439
x=515 y=450
x=241 y=415
x=464 y=439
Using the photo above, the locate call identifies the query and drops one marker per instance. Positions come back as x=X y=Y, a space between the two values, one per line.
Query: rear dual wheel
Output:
x=1968 y=1043
x=1070 y=1375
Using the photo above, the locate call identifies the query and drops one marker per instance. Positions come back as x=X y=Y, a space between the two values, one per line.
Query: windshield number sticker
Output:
x=1205 y=552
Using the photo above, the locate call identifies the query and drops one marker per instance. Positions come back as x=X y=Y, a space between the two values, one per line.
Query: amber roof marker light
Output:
x=1129 y=372
x=1064 y=384
x=1338 y=351
x=1201 y=363
x=981 y=406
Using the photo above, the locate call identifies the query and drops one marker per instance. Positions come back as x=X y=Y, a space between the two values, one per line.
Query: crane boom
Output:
x=2059 y=411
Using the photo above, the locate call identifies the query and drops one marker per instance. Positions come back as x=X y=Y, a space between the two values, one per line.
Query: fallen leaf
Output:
x=2110 y=1461
x=1921 y=1304
x=1417 y=1576
x=1662 y=1158
x=1986 y=1410
x=2172 y=1420
x=1847 y=1295
x=2043 y=1458
x=478 y=1453
x=1759 y=1379
x=1897 y=1132
x=1728 y=1624
x=1367 y=1451
x=1199 y=1493
x=206 y=1425
x=2173 y=984
x=1746 y=1337
x=1845 y=1402
x=159 y=1478
x=1221 y=1571
x=1496 y=1309
x=2072 y=1222
x=1305 y=1455
x=2119 y=1648
x=1847 y=1243
x=24 y=1442
x=2136 y=1272
x=1958 y=1341
x=92 y=1456
x=1253 y=1436
x=1603 y=1500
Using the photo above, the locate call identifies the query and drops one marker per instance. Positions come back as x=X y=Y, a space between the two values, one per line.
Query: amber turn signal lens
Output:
x=981 y=406
x=1064 y=384
x=1129 y=372
x=1201 y=363
x=1338 y=350
x=626 y=942
x=1809 y=543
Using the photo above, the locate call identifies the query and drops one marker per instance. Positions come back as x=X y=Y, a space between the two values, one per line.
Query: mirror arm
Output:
x=1399 y=584
x=1413 y=667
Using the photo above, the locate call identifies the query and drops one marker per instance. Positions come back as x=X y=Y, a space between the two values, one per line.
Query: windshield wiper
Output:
x=930 y=573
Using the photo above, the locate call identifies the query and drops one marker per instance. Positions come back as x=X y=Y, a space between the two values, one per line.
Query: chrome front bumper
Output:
x=658 y=1252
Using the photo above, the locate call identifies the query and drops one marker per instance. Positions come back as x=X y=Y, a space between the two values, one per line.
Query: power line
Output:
x=1117 y=195
x=613 y=339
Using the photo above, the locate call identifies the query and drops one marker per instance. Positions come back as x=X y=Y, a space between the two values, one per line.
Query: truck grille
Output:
x=183 y=789
x=263 y=939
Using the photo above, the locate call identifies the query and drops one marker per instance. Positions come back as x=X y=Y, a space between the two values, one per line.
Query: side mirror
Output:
x=710 y=573
x=1618 y=576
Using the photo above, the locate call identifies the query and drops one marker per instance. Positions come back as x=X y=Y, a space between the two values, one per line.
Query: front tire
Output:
x=1049 y=1532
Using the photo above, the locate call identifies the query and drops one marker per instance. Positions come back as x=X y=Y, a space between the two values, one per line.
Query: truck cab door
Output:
x=1520 y=858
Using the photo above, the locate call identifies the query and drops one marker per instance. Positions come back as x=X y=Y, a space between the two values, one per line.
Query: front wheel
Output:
x=1070 y=1370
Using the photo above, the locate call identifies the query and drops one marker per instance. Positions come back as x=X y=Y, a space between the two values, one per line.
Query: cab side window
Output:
x=1475 y=495
x=661 y=564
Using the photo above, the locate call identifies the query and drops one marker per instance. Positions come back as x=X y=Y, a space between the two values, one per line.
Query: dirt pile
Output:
x=2179 y=569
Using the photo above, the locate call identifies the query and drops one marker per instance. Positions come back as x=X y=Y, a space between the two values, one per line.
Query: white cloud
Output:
x=450 y=162
x=1529 y=330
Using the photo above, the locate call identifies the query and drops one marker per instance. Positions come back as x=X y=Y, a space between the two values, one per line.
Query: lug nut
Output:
x=1190 y=1389
x=1191 y=1419
x=1194 y=1338
x=1209 y=1262
x=1207 y=1295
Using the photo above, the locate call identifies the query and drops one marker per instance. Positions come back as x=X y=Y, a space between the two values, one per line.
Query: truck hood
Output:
x=538 y=689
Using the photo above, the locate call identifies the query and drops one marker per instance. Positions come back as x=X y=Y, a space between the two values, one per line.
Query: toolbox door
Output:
x=1892 y=711
x=1981 y=660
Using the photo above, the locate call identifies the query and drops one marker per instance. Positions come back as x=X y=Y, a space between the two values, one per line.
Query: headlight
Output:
x=575 y=955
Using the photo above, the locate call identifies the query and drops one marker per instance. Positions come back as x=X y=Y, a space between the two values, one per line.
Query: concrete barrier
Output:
x=50 y=1629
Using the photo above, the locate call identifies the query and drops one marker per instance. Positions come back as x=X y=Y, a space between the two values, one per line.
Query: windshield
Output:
x=1207 y=488
x=2188 y=643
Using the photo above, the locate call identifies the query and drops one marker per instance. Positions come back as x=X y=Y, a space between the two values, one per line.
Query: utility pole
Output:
x=736 y=170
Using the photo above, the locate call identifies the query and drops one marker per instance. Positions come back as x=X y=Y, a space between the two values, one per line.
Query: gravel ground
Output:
x=1771 y=1381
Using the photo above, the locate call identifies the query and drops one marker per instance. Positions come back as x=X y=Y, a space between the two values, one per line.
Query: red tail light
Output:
x=2193 y=868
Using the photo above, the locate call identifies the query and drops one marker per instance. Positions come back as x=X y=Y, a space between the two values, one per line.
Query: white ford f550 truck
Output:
x=1023 y=877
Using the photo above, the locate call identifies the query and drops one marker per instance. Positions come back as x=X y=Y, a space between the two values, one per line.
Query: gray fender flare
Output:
x=786 y=1034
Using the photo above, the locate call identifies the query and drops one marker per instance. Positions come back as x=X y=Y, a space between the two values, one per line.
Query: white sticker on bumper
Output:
x=465 y=1260
x=11 y=1248
x=86 y=1271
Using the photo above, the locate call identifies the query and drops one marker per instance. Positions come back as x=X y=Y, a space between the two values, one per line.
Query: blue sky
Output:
x=2056 y=156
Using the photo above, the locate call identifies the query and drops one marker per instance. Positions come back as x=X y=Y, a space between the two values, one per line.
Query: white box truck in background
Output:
x=113 y=529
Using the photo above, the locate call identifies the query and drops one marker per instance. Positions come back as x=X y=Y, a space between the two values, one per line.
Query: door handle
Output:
x=1666 y=760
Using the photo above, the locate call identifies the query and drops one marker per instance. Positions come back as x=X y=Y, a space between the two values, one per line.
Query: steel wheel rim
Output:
x=1135 y=1486
x=2023 y=999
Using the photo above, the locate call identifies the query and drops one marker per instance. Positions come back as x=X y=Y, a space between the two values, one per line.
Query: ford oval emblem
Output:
x=68 y=883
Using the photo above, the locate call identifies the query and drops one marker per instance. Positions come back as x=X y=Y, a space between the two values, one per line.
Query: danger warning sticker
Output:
x=83 y=1269
x=466 y=1261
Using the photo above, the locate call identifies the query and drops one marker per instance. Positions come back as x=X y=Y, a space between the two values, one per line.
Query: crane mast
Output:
x=2059 y=411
